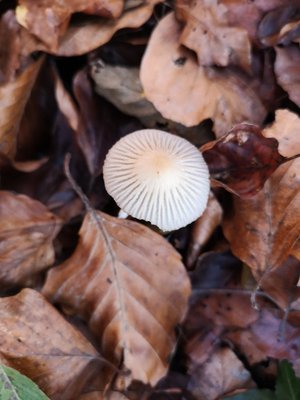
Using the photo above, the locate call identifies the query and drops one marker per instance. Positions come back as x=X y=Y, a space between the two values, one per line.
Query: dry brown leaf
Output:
x=221 y=374
x=13 y=99
x=286 y=130
x=48 y=20
x=263 y=230
x=26 y=233
x=187 y=93
x=37 y=341
x=203 y=228
x=247 y=14
x=132 y=289
x=87 y=35
x=207 y=32
x=287 y=70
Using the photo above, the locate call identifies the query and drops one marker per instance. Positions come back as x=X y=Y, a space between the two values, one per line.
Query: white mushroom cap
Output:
x=158 y=177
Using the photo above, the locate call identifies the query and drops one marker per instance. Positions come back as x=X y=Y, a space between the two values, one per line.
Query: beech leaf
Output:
x=263 y=230
x=13 y=98
x=207 y=32
x=37 y=341
x=26 y=233
x=15 y=386
x=187 y=93
x=131 y=287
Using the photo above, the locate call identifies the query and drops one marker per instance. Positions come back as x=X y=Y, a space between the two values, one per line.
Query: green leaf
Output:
x=253 y=394
x=15 y=386
x=287 y=384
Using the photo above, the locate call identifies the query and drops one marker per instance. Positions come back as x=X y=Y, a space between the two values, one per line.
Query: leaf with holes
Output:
x=131 y=287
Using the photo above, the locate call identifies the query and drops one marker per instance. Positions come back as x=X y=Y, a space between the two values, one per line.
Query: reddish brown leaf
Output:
x=287 y=69
x=207 y=32
x=187 y=93
x=37 y=341
x=13 y=98
x=242 y=160
x=132 y=289
x=263 y=230
x=26 y=233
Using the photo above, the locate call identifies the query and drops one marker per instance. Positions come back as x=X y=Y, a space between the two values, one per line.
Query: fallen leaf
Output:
x=38 y=342
x=14 y=385
x=268 y=337
x=285 y=130
x=100 y=125
x=28 y=226
x=48 y=20
x=10 y=61
x=248 y=14
x=13 y=98
x=86 y=35
x=203 y=228
x=222 y=373
x=279 y=26
x=131 y=287
x=242 y=160
x=187 y=93
x=207 y=31
x=287 y=70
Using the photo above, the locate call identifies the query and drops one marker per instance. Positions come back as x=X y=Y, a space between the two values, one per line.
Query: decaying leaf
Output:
x=86 y=35
x=263 y=230
x=242 y=160
x=38 y=342
x=100 y=125
x=203 y=228
x=13 y=98
x=287 y=70
x=131 y=287
x=221 y=374
x=207 y=32
x=187 y=93
x=286 y=130
x=48 y=20
x=26 y=233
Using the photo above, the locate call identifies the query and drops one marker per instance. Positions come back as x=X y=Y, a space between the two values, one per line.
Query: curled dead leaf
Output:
x=88 y=34
x=26 y=233
x=242 y=160
x=13 y=99
x=263 y=230
x=48 y=20
x=187 y=93
x=131 y=287
x=38 y=342
x=207 y=31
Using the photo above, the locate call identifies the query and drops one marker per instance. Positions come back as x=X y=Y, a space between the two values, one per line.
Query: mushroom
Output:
x=157 y=177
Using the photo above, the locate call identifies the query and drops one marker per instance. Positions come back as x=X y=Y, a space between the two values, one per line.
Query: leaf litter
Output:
x=97 y=307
